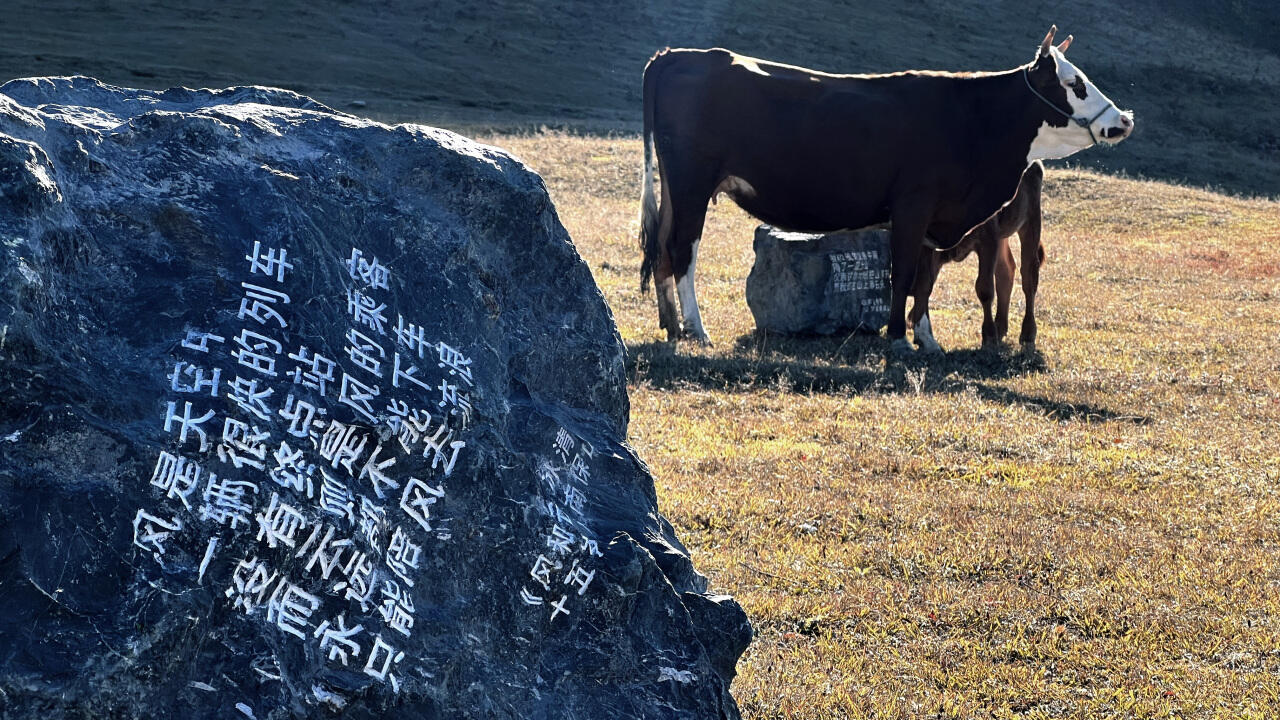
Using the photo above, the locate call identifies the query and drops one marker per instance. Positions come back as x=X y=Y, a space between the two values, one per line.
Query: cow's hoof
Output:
x=932 y=349
x=699 y=337
x=1029 y=347
x=901 y=348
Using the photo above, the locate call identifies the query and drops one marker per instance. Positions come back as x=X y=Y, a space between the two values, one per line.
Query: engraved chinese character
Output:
x=381 y=657
x=199 y=341
x=559 y=608
x=541 y=571
x=300 y=414
x=443 y=449
x=337 y=639
x=547 y=472
x=373 y=520
x=457 y=363
x=407 y=427
x=417 y=498
x=242 y=445
x=591 y=547
x=292 y=470
x=396 y=608
x=529 y=598
x=279 y=523
x=579 y=576
x=373 y=470
x=560 y=540
x=250 y=582
x=412 y=337
x=257 y=352
x=563 y=444
x=578 y=469
x=313 y=371
x=246 y=395
x=177 y=476
x=459 y=403
x=187 y=423
x=257 y=304
x=335 y=497
x=370 y=272
x=366 y=311
x=188 y=378
x=358 y=580
x=342 y=445
x=365 y=352
x=151 y=532
x=271 y=263
x=403 y=555
x=398 y=375
x=224 y=501
x=358 y=396
x=290 y=608
x=327 y=552
x=574 y=499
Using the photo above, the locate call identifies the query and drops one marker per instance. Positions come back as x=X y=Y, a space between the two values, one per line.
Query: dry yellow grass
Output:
x=1092 y=533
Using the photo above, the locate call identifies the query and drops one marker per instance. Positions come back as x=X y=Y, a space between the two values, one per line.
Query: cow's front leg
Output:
x=927 y=268
x=906 y=239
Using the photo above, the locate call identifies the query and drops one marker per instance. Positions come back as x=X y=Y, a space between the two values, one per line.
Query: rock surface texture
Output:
x=302 y=415
x=819 y=284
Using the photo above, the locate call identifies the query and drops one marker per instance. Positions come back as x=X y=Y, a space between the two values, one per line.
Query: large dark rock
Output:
x=301 y=414
x=819 y=284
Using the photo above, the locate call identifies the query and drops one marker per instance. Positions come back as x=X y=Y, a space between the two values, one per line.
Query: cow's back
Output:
x=812 y=151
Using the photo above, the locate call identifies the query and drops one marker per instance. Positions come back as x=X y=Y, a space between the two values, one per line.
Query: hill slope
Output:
x=1204 y=83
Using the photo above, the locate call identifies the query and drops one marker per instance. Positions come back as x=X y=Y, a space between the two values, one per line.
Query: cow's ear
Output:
x=1062 y=46
x=1048 y=41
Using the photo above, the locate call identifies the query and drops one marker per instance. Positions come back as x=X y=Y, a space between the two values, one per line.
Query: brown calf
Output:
x=995 y=267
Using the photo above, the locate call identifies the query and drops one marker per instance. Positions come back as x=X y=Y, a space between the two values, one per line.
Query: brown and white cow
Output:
x=995 y=267
x=934 y=153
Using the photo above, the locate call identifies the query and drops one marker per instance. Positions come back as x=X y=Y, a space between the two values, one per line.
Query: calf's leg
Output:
x=1032 y=257
x=1005 y=267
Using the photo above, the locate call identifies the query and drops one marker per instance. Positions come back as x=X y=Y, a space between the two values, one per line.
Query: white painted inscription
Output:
x=287 y=473
x=860 y=271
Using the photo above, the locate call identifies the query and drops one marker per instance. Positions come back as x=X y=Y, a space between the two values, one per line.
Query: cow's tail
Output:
x=648 y=200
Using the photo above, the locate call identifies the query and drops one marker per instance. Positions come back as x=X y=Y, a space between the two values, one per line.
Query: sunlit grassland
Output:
x=1092 y=532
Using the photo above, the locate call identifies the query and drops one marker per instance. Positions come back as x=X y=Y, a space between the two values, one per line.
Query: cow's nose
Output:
x=1126 y=121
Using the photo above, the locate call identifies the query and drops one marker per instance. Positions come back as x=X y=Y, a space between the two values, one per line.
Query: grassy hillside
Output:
x=1092 y=533
x=1203 y=78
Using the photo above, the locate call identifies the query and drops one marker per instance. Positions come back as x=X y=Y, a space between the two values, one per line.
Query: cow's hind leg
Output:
x=688 y=217
x=927 y=269
x=664 y=282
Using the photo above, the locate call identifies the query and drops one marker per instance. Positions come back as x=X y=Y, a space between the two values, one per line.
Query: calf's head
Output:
x=1075 y=113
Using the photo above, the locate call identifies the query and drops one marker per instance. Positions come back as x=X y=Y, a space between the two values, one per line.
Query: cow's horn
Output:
x=1062 y=46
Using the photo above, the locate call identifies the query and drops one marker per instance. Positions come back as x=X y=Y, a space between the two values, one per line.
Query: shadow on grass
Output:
x=852 y=365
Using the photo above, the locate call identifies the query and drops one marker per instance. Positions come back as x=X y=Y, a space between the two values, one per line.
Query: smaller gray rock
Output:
x=820 y=284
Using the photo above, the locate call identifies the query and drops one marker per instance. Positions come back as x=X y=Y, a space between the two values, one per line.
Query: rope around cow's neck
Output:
x=1087 y=124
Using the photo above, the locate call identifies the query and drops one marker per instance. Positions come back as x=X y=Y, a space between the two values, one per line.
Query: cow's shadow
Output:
x=851 y=365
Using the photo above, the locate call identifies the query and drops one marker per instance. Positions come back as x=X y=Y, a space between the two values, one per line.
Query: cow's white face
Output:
x=1108 y=124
